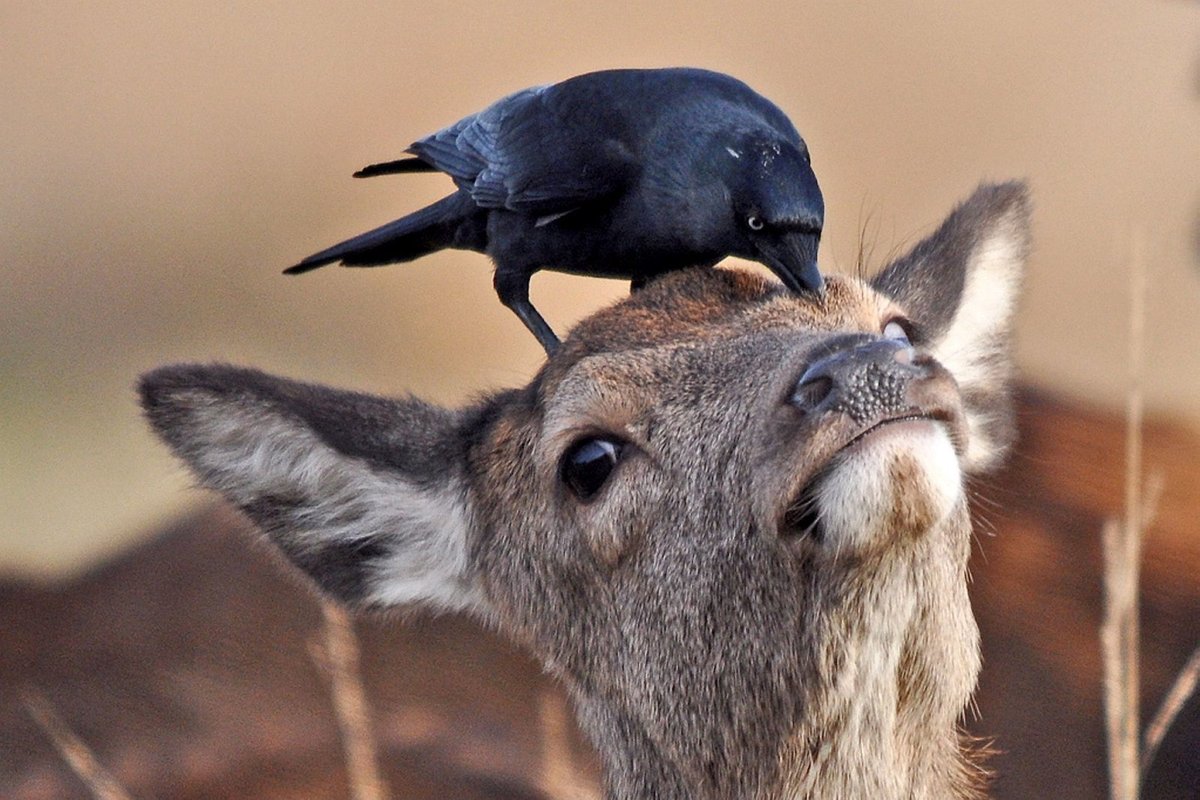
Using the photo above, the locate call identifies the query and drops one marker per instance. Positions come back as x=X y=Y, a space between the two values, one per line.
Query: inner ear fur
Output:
x=366 y=494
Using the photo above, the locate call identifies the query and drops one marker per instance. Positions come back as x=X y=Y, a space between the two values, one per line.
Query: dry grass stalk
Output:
x=1177 y=696
x=1119 y=640
x=340 y=661
x=1119 y=634
x=558 y=779
x=79 y=756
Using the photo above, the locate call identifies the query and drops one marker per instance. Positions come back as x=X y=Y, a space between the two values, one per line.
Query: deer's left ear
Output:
x=365 y=494
x=960 y=287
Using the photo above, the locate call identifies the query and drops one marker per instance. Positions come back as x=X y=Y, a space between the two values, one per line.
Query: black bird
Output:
x=621 y=174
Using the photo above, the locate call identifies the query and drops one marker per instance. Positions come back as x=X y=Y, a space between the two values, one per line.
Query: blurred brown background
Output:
x=161 y=163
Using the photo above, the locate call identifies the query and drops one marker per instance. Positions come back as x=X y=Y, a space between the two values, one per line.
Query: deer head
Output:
x=730 y=518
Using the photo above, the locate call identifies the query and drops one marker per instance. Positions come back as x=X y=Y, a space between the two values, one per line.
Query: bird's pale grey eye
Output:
x=587 y=465
x=755 y=222
x=896 y=329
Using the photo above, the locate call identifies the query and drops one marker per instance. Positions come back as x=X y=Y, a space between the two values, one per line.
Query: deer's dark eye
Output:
x=587 y=465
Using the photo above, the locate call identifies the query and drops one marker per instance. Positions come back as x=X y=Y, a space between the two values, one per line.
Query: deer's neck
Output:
x=893 y=677
x=889 y=664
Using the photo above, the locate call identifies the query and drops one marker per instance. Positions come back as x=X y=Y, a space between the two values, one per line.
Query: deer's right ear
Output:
x=363 y=493
x=959 y=287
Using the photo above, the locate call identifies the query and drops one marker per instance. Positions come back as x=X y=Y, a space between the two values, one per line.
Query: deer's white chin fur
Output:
x=902 y=479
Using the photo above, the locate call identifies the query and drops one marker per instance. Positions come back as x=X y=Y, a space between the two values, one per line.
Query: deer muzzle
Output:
x=878 y=381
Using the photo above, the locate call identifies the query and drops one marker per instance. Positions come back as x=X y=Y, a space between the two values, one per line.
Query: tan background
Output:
x=160 y=164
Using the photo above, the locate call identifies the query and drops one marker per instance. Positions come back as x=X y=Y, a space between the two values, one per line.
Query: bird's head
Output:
x=778 y=208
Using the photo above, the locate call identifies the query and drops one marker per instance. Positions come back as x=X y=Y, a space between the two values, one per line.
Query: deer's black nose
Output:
x=865 y=380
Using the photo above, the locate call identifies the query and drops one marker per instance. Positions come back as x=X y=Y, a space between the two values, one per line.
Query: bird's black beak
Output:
x=793 y=257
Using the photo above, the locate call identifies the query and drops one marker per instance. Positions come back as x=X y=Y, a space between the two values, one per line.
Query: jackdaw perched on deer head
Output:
x=622 y=174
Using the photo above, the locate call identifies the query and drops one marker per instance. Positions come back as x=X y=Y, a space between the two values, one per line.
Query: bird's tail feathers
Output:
x=397 y=167
x=431 y=228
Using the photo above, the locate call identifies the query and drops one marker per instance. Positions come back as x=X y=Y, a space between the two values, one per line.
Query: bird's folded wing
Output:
x=537 y=152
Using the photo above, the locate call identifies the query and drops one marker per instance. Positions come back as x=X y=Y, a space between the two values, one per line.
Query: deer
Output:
x=732 y=520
